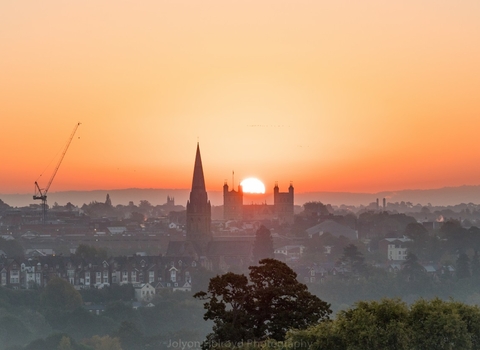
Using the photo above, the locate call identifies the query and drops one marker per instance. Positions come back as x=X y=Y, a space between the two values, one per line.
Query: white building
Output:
x=144 y=292
x=395 y=248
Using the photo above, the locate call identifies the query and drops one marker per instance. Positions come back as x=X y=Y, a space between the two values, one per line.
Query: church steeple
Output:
x=198 y=182
x=198 y=207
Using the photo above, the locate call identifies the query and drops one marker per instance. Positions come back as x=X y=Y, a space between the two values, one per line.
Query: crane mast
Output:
x=41 y=194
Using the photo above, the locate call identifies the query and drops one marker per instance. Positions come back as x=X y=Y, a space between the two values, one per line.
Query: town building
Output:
x=394 y=248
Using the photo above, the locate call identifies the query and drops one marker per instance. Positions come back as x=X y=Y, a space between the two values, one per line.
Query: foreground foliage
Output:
x=391 y=324
x=267 y=306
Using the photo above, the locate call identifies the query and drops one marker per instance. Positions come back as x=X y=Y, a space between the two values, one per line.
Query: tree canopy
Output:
x=391 y=324
x=267 y=306
x=61 y=295
x=263 y=244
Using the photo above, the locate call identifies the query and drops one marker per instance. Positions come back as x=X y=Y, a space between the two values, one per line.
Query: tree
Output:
x=416 y=231
x=145 y=207
x=10 y=328
x=437 y=324
x=61 y=295
x=353 y=260
x=281 y=302
x=103 y=343
x=12 y=248
x=230 y=306
x=263 y=245
x=315 y=209
x=130 y=336
x=391 y=324
x=137 y=217
x=273 y=302
x=90 y=252
x=412 y=269
x=475 y=264
x=65 y=344
x=463 y=266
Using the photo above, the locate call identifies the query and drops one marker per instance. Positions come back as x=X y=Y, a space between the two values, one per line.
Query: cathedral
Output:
x=213 y=253
x=281 y=210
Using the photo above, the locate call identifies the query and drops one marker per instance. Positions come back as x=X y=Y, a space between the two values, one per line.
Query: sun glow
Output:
x=252 y=185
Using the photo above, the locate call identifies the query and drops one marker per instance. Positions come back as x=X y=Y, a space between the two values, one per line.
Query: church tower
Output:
x=198 y=207
x=284 y=203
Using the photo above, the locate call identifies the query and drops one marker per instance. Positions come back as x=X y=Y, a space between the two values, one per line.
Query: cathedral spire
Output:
x=198 y=207
x=198 y=182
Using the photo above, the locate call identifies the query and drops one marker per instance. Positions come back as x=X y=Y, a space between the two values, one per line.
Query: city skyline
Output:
x=339 y=97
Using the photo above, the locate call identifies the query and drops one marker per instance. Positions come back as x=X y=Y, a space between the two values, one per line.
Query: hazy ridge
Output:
x=440 y=196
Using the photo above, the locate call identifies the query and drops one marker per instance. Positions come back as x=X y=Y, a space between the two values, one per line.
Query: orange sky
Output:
x=338 y=95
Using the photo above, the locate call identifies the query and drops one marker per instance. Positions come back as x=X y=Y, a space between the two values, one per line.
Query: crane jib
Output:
x=41 y=194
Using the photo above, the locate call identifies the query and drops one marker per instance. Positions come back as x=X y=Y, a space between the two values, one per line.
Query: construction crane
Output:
x=41 y=193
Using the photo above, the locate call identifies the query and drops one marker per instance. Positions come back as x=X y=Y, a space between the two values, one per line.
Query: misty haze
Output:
x=246 y=175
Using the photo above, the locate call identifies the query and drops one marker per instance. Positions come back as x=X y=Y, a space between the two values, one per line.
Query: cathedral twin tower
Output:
x=199 y=209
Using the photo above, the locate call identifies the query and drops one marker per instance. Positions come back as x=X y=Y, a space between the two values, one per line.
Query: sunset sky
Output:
x=359 y=96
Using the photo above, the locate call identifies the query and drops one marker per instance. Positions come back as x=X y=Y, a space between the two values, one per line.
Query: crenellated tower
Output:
x=232 y=203
x=284 y=202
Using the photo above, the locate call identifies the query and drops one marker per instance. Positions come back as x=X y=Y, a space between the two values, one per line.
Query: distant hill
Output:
x=440 y=196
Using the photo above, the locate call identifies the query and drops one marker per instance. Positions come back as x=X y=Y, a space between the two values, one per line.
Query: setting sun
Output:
x=252 y=185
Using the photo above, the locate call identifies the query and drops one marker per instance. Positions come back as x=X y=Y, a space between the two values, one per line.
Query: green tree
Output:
x=61 y=295
x=273 y=302
x=436 y=325
x=263 y=245
x=103 y=343
x=391 y=324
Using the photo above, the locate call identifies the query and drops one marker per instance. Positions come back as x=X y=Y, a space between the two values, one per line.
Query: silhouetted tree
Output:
x=315 y=209
x=412 y=269
x=270 y=305
x=263 y=244
x=282 y=302
x=353 y=260
x=145 y=207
